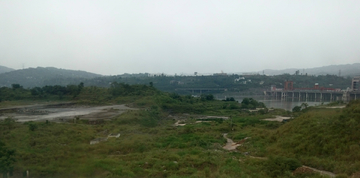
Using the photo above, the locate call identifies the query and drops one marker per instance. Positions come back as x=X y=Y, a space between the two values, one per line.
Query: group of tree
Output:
x=123 y=89
x=250 y=103
x=254 y=83
x=57 y=90
x=18 y=92
x=7 y=160
x=234 y=82
x=7 y=155
x=302 y=107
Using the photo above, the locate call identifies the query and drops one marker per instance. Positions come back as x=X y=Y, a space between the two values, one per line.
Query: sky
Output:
x=113 y=37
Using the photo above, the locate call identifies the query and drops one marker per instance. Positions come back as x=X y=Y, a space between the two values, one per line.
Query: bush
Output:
x=296 y=109
x=341 y=176
x=278 y=166
x=263 y=111
x=7 y=159
x=32 y=126
x=8 y=122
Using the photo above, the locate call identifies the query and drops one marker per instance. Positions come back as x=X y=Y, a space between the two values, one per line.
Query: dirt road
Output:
x=230 y=145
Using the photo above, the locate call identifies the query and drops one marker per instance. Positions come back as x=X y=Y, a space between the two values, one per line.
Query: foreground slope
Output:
x=152 y=145
x=327 y=139
x=149 y=146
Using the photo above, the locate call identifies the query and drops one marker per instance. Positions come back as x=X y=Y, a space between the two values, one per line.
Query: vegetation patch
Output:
x=150 y=146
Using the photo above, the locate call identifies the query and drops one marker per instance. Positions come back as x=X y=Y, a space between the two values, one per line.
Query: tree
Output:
x=16 y=86
x=304 y=105
x=230 y=99
x=36 y=91
x=7 y=159
x=9 y=123
x=208 y=97
x=296 y=109
x=32 y=126
x=245 y=101
x=80 y=86
x=75 y=90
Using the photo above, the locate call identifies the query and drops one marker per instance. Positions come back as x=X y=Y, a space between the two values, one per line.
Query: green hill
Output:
x=327 y=139
x=4 y=69
x=233 y=83
x=345 y=70
x=42 y=76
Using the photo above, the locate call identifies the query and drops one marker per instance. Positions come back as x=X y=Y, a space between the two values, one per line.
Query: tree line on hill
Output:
x=18 y=92
x=92 y=94
x=232 y=83
x=256 y=84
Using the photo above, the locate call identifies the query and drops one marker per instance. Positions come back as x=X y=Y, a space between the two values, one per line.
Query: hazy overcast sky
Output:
x=178 y=36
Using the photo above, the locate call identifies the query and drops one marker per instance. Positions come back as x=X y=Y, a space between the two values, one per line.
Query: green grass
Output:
x=149 y=146
x=326 y=139
x=63 y=149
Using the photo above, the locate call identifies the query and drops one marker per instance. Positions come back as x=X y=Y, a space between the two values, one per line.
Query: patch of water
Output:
x=272 y=103
x=64 y=112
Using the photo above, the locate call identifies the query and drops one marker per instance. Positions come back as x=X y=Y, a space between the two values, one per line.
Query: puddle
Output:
x=51 y=112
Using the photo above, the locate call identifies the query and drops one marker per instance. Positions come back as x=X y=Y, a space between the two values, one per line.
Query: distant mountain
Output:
x=4 y=69
x=42 y=76
x=345 y=70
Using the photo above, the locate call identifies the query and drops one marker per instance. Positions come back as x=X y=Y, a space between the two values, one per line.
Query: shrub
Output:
x=32 y=126
x=263 y=111
x=278 y=166
x=296 y=109
x=9 y=123
x=7 y=159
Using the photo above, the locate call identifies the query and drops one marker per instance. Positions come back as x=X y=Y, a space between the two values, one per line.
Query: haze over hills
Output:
x=345 y=70
x=4 y=69
x=42 y=76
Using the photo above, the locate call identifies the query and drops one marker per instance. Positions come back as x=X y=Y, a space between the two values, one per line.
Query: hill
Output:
x=255 y=84
x=42 y=76
x=327 y=139
x=4 y=69
x=346 y=70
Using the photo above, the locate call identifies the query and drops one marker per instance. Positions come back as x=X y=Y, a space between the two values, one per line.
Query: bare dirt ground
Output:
x=336 y=107
x=326 y=173
x=214 y=117
x=177 y=123
x=181 y=119
x=231 y=145
x=277 y=118
x=61 y=111
x=202 y=121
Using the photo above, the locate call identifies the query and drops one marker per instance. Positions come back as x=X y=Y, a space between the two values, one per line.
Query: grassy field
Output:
x=150 y=146
x=143 y=149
